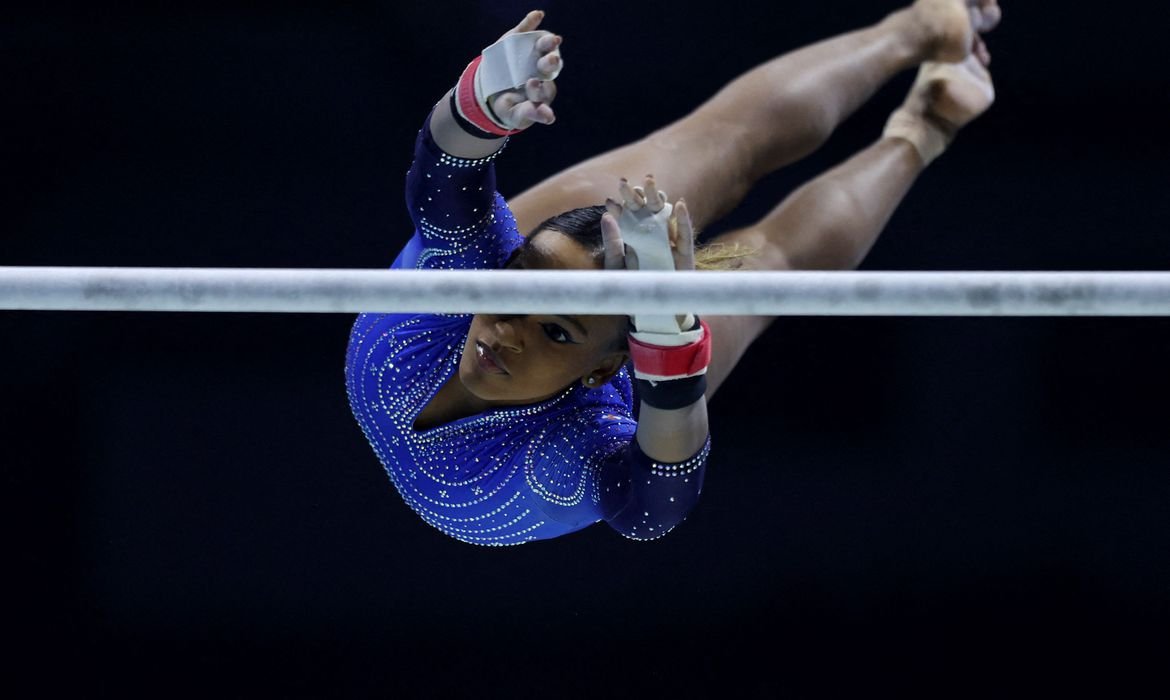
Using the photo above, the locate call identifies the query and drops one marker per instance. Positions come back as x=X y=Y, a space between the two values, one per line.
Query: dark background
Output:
x=894 y=505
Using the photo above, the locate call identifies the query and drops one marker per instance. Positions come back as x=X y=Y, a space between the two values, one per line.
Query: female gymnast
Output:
x=504 y=429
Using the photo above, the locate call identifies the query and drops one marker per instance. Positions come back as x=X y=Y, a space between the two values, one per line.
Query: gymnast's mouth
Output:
x=488 y=360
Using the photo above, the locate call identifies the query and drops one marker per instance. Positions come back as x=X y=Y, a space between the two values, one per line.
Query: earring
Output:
x=590 y=380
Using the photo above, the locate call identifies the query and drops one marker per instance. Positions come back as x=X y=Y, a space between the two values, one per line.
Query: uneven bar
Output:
x=803 y=293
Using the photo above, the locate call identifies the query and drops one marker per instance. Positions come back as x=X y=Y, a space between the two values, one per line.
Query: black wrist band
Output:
x=672 y=394
x=467 y=126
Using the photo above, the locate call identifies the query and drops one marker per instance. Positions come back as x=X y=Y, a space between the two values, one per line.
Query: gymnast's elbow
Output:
x=644 y=522
x=657 y=497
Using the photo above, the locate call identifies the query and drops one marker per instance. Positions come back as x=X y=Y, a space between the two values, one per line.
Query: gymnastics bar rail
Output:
x=803 y=293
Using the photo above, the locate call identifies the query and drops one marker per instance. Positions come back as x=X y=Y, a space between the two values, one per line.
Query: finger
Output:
x=548 y=65
x=504 y=102
x=515 y=111
x=629 y=198
x=530 y=22
x=976 y=13
x=684 y=237
x=982 y=53
x=992 y=14
x=543 y=91
x=654 y=198
x=525 y=113
x=548 y=42
x=640 y=193
x=611 y=235
x=613 y=208
x=544 y=115
x=506 y=107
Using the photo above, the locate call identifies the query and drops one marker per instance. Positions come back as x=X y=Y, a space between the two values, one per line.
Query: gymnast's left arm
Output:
x=460 y=220
x=468 y=124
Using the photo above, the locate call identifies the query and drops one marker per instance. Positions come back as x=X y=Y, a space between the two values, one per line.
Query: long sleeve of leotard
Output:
x=588 y=467
x=644 y=499
x=460 y=221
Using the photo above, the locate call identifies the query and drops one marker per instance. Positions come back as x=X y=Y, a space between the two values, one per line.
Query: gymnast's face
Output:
x=525 y=359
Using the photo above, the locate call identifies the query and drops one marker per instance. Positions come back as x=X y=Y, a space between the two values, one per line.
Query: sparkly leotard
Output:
x=508 y=475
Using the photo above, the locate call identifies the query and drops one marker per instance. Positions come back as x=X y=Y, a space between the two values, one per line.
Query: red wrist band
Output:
x=469 y=106
x=672 y=362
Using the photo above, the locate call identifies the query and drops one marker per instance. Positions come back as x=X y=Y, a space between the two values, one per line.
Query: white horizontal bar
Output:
x=845 y=293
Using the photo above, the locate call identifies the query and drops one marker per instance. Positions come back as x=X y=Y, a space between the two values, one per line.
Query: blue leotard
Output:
x=508 y=475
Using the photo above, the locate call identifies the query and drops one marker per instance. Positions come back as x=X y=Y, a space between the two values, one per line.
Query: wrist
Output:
x=470 y=105
x=453 y=139
x=468 y=128
x=689 y=330
x=662 y=357
x=672 y=395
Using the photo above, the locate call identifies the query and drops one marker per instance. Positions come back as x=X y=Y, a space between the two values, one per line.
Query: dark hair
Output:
x=583 y=225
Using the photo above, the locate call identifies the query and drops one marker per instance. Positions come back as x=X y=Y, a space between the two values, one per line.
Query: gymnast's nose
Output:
x=508 y=334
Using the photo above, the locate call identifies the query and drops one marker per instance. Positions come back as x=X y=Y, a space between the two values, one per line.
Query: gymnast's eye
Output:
x=556 y=333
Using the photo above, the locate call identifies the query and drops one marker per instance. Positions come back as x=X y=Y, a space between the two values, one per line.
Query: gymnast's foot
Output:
x=950 y=30
x=944 y=98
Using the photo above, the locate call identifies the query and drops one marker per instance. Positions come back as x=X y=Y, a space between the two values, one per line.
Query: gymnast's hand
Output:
x=679 y=227
x=619 y=256
x=521 y=108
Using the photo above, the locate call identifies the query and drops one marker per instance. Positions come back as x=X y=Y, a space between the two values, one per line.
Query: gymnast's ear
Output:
x=605 y=370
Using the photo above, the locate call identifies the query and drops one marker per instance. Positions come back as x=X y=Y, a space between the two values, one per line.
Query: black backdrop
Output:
x=951 y=505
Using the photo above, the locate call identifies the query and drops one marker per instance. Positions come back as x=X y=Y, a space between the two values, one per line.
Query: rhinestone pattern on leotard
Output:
x=490 y=479
x=506 y=476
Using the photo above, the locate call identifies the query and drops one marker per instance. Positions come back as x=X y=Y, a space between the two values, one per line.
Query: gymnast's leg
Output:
x=767 y=117
x=832 y=221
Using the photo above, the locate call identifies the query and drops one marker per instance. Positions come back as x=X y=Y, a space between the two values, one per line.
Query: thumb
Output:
x=530 y=22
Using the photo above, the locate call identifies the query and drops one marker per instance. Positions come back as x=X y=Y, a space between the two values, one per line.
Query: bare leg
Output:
x=733 y=138
x=830 y=222
x=834 y=220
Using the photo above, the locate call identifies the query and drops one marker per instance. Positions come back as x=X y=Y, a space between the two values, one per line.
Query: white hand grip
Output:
x=647 y=233
x=509 y=63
